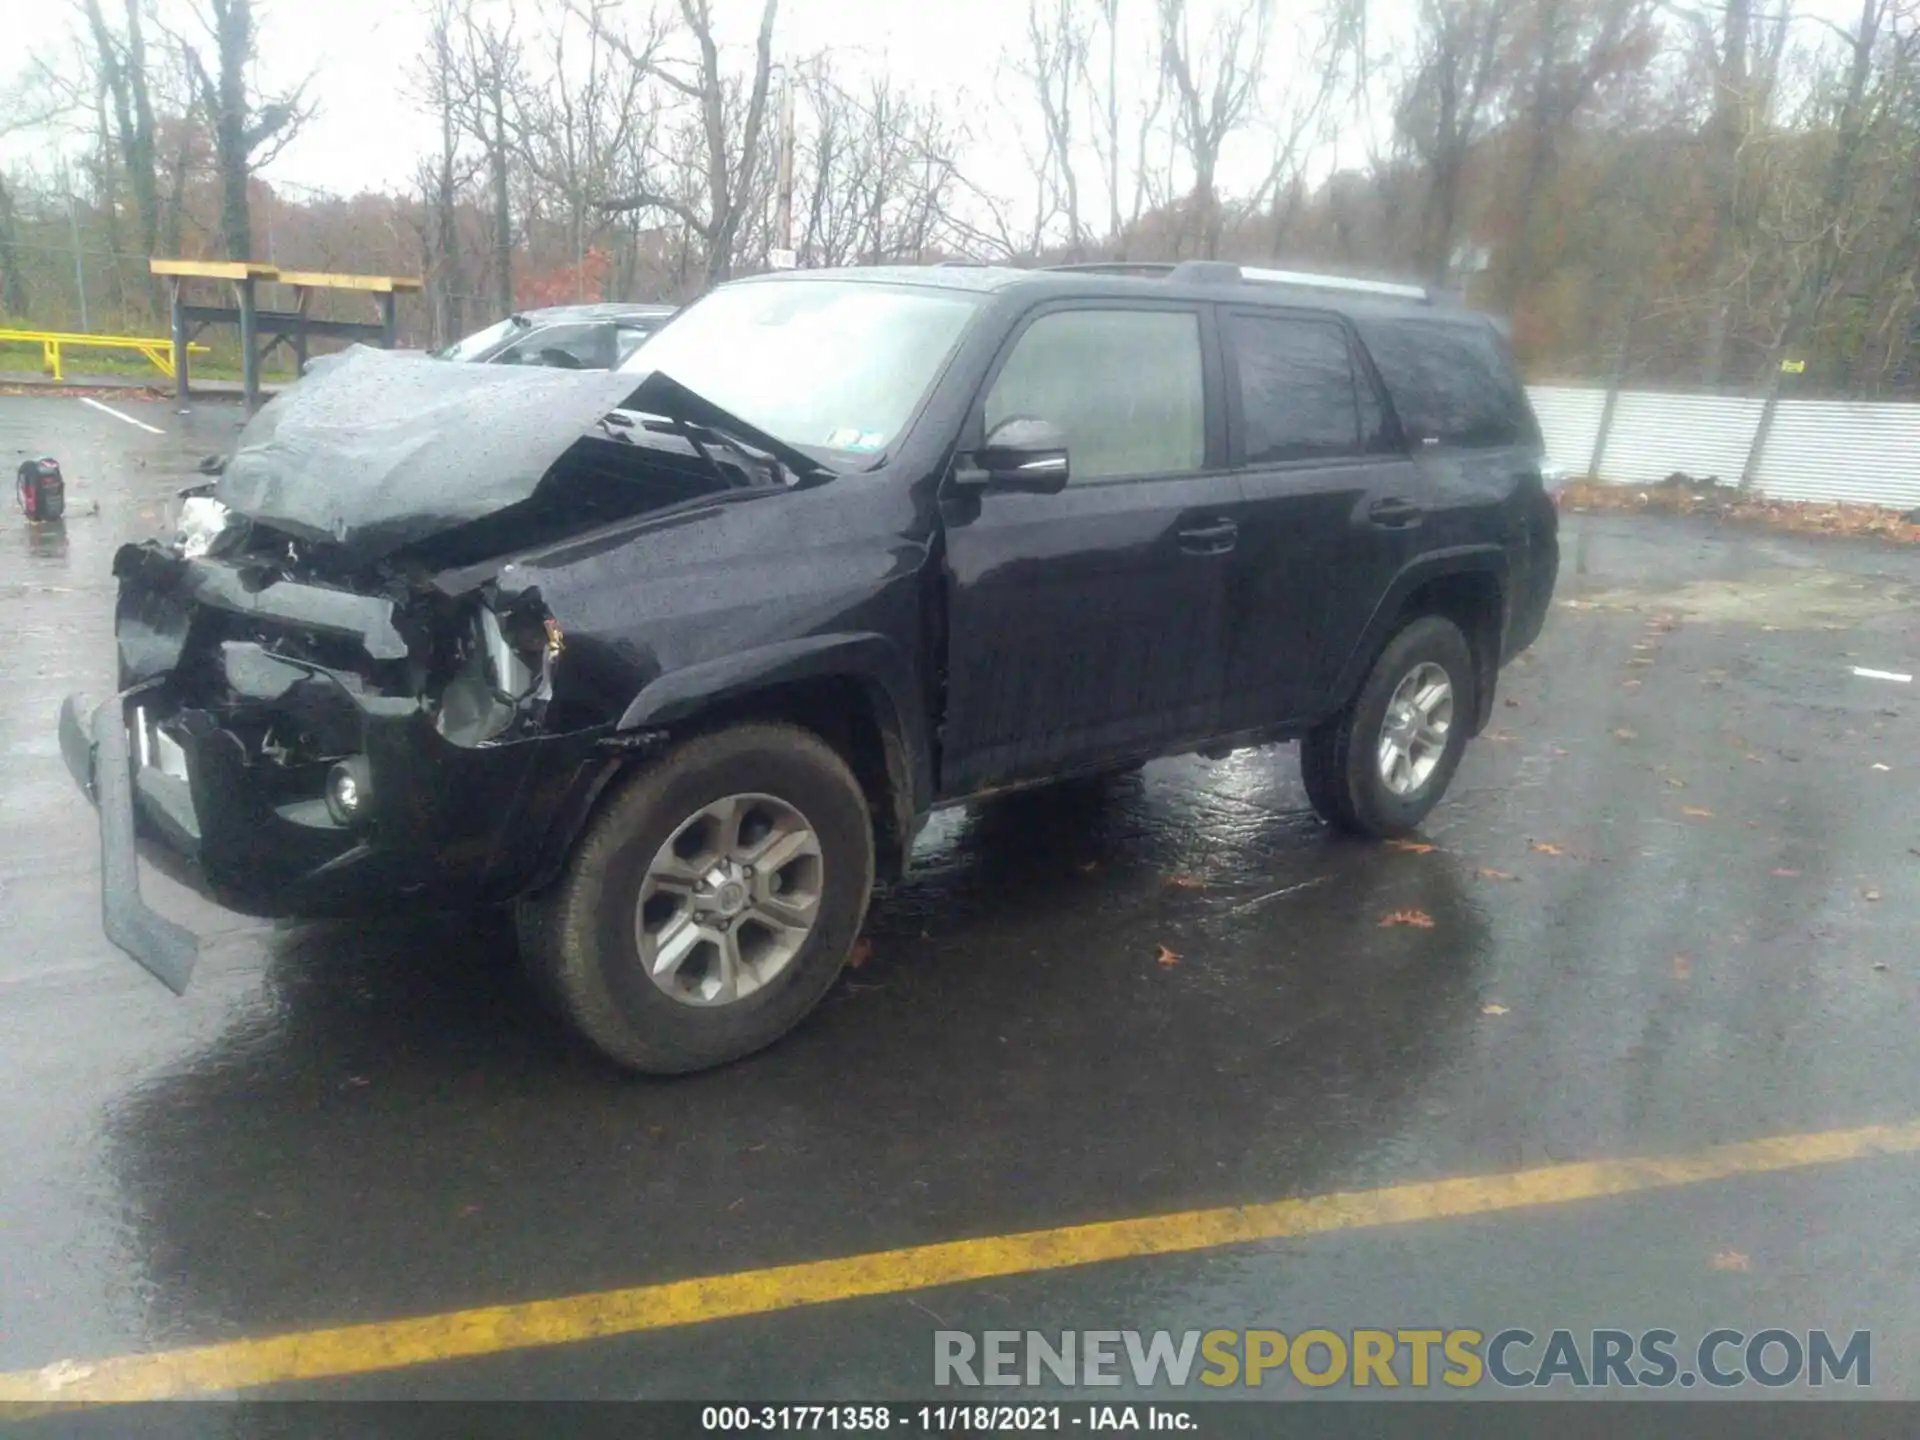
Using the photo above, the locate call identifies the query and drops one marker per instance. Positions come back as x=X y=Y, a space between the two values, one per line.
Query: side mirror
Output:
x=1022 y=454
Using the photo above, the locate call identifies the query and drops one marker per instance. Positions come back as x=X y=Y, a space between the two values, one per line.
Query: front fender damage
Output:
x=296 y=747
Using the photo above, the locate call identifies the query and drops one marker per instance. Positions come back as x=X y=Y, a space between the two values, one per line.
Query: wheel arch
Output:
x=1468 y=586
x=856 y=691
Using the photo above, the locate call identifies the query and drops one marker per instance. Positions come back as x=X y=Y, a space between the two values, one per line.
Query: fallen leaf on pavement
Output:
x=1731 y=1260
x=1869 y=894
x=1089 y=867
x=1546 y=847
x=1186 y=882
x=1879 y=964
x=1412 y=847
x=1419 y=919
x=1629 y=684
x=1878 y=766
x=1558 y=751
x=1785 y=874
x=1168 y=958
x=1623 y=733
x=1495 y=875
x=1682 y=967
x=1512 y=704
x=1674 y=782
x=861 y=953
x=1494 y=1009
x=1696 y=812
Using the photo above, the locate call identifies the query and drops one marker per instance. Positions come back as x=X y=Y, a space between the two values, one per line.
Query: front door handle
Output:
x=1215 y=538
x=1396 y=512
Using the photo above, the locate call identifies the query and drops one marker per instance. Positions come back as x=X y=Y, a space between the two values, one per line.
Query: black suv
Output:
x=676 y=661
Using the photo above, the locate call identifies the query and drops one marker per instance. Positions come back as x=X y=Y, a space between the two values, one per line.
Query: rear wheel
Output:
x=711 y=904
x=1384 y=762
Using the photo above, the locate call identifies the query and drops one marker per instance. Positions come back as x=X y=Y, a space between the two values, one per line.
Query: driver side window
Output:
x=1125 y=385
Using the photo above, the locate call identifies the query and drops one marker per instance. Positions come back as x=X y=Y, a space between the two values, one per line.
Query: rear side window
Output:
x=1125 y=385
x=1451 y=384
x=1298 y=396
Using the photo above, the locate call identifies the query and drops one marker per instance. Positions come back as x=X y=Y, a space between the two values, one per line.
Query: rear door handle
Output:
x=1396 y=512
x=1213 y=539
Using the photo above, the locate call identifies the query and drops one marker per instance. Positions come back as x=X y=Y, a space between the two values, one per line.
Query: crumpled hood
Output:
x=376 y=451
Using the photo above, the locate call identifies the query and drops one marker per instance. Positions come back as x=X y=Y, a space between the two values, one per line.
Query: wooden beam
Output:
x=214 y=269
x=321 y=280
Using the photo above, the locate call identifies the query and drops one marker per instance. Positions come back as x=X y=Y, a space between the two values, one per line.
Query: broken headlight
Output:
x=198 y=521
x=504 y=678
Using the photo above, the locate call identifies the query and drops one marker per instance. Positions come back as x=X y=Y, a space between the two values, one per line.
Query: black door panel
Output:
x=1332 y=510
x=1085 y=626
x=1090 y=626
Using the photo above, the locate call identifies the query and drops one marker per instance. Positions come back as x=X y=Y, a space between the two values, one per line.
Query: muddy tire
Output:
x=710 y=904
x=1381 y=765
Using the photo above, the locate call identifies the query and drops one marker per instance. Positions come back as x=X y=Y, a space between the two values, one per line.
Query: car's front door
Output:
x=1088 y=626
x=1332 y=508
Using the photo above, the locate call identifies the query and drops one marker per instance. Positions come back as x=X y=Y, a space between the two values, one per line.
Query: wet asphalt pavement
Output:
x=1672 y=905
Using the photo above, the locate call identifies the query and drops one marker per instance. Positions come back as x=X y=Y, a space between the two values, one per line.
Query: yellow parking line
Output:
x=494 y=1329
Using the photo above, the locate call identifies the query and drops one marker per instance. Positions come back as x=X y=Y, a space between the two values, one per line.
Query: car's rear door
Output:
x=1332 y=506
x=1089 y=625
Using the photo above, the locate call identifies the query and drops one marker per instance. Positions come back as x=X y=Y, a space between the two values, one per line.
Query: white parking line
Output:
x=1882 y=675
x=108 y=409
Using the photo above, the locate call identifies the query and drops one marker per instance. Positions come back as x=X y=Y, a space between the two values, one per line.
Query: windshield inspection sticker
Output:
x=868 y=440
x=843 y=439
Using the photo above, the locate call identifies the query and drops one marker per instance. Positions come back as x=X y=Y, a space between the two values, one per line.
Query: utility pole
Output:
x=784 y=258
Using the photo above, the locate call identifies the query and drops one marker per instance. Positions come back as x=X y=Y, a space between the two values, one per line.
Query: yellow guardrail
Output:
x=52 y=342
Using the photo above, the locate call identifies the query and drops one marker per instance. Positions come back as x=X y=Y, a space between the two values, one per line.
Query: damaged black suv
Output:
x=677 y=660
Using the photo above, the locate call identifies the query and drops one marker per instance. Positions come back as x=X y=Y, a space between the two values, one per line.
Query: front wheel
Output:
x=1385 y=761
x=711 y=903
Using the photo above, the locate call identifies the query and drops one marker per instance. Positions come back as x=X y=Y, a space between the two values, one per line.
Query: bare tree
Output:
x=249 y=129
x=1059 y=40
x=1740 y=43
x=439 y=177
x=730 y=130
x=1444 y=111
x=1568 y=50
x=1214 y=85
x=121 y=64
x=1865 y=89
x=488 y=70
x=592 y=110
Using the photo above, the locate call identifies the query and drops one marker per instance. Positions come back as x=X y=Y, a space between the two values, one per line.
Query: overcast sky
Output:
x=369 y=133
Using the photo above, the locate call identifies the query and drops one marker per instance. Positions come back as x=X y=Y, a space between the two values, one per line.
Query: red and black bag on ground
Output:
x=42 y=489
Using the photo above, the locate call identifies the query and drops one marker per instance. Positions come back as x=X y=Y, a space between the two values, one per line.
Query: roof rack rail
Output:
x=1120 y=267
x=1223 y=272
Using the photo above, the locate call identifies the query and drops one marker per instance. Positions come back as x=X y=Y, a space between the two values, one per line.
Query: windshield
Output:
x=820 y=364
x=481 y=341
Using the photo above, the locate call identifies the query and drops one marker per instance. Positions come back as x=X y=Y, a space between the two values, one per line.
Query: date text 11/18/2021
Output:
x=944 y=1419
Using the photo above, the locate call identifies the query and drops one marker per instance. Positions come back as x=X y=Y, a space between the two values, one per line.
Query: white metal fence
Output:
x=1863 y=452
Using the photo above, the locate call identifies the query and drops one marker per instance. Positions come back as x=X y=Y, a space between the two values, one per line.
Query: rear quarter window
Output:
x=1451 y=384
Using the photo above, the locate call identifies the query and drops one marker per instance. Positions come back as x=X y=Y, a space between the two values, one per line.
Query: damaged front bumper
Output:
x=177 y=770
